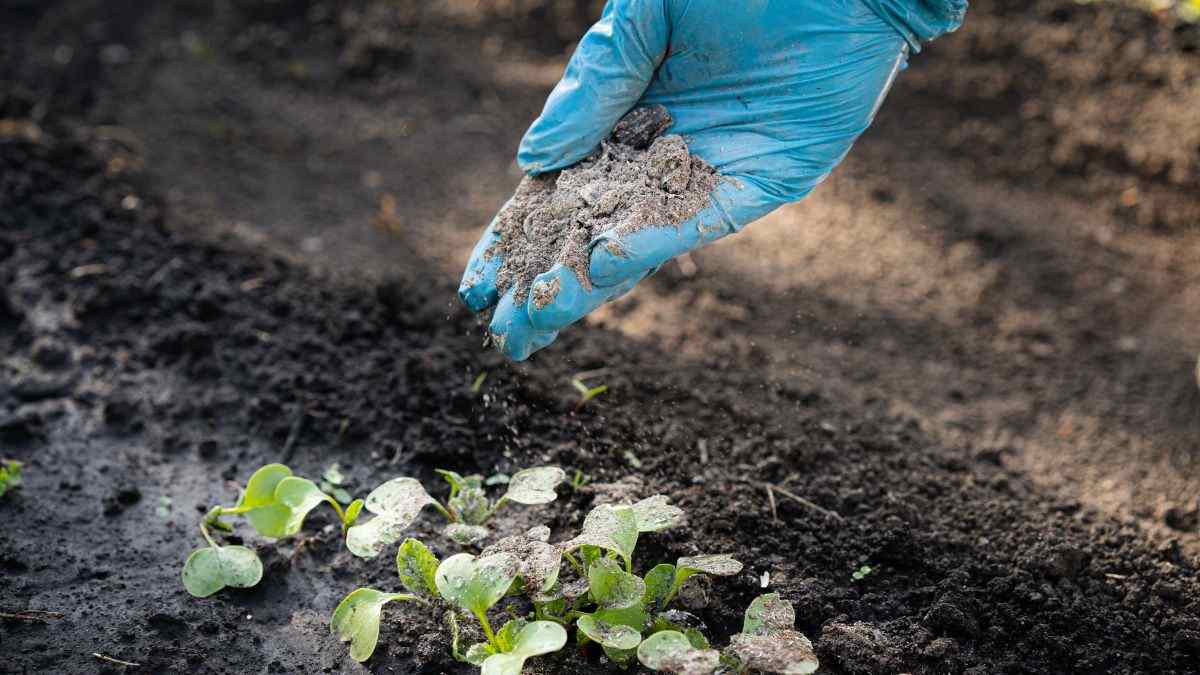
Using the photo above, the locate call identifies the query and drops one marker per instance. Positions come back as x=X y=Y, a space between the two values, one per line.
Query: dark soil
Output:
x=149 y=366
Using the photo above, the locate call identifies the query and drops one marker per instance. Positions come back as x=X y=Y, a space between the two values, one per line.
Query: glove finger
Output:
x=557 y=299
x=512 y=333
x=478 y=287
x=617 y=256
x=608 y=73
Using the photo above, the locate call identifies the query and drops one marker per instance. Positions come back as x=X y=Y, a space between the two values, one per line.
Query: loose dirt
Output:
x=636 y=179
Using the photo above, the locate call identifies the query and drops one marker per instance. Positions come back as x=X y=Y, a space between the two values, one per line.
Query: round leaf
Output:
x=671 y=651
x=658 y=585
x=260 y=489
x=654 y=514
x=613 y=635
x=785 y=652
x=476 y=584
x=465 y=535
x=397 y=502
x=208 y=570
x=535 y=639
x=768 y=613
x=478 y=653
x=539 y=637
x=612 y=587
x=721 y=565
x=417 y=566
x=540 y=562
x=535 y=486
x=367 y=540
x=400 y=498
x=294 y=499
x=356 y=619
x=610 y=527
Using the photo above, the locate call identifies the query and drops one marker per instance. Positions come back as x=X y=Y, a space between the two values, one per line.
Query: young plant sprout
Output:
x=331 y=483
x=275 y=503
x=10 y=475
x=586 y=393
x=398 y=502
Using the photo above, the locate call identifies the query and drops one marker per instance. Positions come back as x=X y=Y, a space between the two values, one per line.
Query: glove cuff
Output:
x=920 y=21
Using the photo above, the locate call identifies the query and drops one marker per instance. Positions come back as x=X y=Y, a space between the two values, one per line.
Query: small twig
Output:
x=119 y=662
x=289 y=447
x=804 y=502
x=771 y=501
x=32 y=615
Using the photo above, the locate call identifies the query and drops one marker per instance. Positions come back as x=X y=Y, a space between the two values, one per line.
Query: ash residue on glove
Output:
x=636 y=179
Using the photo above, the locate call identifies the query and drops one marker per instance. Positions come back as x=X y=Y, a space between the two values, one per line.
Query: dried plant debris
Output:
x=637 y=178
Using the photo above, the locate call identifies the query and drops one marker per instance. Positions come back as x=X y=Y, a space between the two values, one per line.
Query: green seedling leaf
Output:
x=10 y=475
x=498 y=479
x=768 y=642
x=164 y=507
x=260 y=489
x=658 y=586
x=720 y=565
x=211 y=569
x=507 y=635
x=535 y=486
x=351 y=513
x=768 y=613
x=613 y=528
x=417 y=566
x=342 y=495
x=356 y=619
x=587 y=393
x=396 y=503
x=672 y=652
x=612 y=587
x=540 y=562
x=862 y=572
x=785 y=652
x=475 y=584
x=478 y=382
x=611 y=635
x=458 y=482
x=535 y=639
x=654 y=514
x=465 y=535
x=333 y=475
x=294 y=498
x=478 y=653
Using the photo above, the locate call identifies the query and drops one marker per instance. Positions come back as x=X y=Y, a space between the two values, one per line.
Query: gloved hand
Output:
x=770 y=92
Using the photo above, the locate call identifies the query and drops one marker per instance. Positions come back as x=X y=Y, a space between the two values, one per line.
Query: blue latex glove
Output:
x=771 y=92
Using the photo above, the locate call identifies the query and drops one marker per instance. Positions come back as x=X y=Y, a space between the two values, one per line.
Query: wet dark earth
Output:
x=148 y=369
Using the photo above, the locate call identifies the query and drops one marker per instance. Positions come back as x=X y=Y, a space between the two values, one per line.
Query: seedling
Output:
x=331 y=483
x=477 y=383
x=275 y=503
x=768 y=644
x=862 y=573
x=586 y=393
x=398 y=502
x=10 y=475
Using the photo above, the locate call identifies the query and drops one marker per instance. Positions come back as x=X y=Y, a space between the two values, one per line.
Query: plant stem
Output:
x=222 y=511
x=495 y=507
x=487 y=629
x=574 y=563
x=207 y=537
x=337 y=507
x=449 y=516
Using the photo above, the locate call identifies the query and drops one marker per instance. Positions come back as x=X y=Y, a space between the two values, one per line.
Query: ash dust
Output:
x=638 y=178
